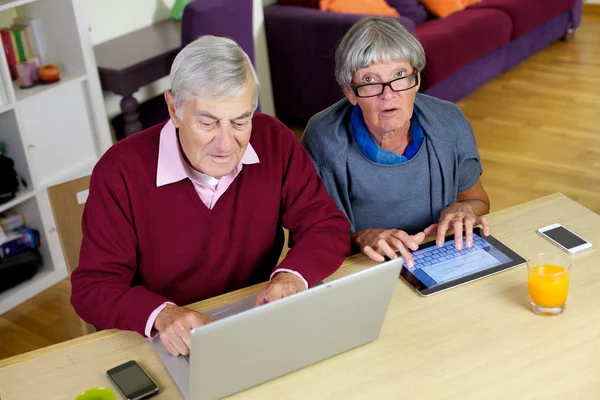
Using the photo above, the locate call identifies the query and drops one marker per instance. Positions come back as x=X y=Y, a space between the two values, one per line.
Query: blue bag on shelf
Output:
x=18 y=241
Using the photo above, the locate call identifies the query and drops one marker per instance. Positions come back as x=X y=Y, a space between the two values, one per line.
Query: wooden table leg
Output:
x=130 y=105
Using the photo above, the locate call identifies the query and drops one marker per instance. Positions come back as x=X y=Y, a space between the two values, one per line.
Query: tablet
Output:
x=440 y=268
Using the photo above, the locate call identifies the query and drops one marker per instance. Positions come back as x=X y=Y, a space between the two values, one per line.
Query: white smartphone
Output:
x=564 y=238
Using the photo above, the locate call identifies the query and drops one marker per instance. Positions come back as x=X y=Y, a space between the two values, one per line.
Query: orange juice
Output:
x=548 y=285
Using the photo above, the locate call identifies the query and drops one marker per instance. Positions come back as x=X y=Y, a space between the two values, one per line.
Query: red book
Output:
x=10 y=53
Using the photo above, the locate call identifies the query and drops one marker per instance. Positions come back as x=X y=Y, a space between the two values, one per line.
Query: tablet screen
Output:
x=438 y=265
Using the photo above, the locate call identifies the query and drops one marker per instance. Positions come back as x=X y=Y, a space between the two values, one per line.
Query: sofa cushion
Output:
x=444 y=8
x=412 y=9
x=458 y=40
x=528 y=14
x=300 y=3
x=371 y=7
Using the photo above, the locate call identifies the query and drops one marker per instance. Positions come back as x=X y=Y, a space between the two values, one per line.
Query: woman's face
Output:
x=389 y=111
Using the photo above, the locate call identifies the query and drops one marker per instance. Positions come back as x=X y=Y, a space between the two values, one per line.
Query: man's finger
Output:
x=486 y=226
x=185 y=338
x=458 y=233
x=261 y=299
x=385 y=247
x=372 y=254
x=178 y=344
x=167 y=343
x=276 y=291
x=469 y=232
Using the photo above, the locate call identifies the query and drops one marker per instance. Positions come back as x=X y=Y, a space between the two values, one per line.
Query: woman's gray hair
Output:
x=211 y=67
x=376 y=40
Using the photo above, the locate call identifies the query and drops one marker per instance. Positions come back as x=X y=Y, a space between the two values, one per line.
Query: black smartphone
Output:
x=132 y=381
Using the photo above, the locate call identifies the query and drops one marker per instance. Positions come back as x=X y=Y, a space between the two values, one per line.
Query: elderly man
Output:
x=193 y=208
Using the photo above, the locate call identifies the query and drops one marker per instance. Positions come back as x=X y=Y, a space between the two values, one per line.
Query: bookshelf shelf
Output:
x=53 y=132
x=66 y=79
x=22 y=195
x=8 y=4
x=6 y=107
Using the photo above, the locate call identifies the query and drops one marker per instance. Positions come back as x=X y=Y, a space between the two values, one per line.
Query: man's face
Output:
x=214 y=134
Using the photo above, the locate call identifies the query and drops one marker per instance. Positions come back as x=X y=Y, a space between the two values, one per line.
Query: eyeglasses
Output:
x=397 y=85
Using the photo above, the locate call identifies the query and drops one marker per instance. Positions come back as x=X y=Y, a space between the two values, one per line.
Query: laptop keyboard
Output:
x=434 y=255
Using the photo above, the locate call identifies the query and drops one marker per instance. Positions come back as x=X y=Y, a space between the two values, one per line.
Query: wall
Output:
x=108 y=19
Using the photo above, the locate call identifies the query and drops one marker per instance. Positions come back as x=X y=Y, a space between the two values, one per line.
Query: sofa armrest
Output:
x=228 y=18
x=576 y=13
x=301 y=43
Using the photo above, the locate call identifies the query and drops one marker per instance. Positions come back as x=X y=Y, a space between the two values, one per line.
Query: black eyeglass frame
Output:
x=386 y=84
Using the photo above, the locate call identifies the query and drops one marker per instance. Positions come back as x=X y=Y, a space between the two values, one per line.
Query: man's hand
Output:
x=457 y=216
x=175 y=324
x=282 y=285
x=375 y=242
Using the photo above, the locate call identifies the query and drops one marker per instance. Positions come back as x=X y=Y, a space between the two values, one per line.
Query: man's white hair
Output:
x=211 y=67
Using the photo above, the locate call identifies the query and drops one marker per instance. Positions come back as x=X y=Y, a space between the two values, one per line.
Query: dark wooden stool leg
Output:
x=130 y=105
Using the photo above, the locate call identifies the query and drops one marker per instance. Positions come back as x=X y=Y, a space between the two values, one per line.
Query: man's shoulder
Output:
x=139 y=149
x=269 y=132
x=266 y=123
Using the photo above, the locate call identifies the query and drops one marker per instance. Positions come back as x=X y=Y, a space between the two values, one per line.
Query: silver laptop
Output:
x=246 y=346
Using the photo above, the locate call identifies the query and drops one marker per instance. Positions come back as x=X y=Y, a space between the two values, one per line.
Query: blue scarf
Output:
x=372 y=151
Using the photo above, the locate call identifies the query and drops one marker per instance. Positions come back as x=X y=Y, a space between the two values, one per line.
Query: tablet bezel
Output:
x=421 y=288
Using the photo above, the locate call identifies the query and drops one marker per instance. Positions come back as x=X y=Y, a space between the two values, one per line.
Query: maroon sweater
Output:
x=144 y=245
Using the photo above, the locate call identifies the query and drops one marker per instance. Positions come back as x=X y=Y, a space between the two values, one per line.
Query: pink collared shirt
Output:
x=172 y=168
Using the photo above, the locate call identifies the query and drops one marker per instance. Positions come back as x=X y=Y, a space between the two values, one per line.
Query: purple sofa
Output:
x=228 y=18
x=463 y=51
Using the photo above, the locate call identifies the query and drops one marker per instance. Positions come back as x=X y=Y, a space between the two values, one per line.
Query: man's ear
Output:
x=170 y=99
x=350 y=96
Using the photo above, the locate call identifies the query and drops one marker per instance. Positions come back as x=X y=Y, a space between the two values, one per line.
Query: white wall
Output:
x=108 y=19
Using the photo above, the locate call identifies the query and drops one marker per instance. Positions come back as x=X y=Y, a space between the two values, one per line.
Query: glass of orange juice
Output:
x=548 y=282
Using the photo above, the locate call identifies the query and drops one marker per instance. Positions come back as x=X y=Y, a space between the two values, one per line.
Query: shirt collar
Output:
x=171 y=164
x=373 y=151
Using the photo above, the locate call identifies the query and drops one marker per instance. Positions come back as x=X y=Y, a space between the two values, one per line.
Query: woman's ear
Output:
x=350 y=96
x=170 y=99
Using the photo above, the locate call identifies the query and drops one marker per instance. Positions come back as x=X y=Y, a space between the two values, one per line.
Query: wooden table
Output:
x=477 y=341
x=131 y=61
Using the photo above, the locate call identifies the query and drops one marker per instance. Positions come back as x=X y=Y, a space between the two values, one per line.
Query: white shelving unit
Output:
x=54 y=132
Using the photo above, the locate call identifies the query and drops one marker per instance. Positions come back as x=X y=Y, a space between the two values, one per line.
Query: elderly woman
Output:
x=401 y=165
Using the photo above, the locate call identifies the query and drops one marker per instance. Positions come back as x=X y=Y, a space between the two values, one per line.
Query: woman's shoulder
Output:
x=430 y=103
x=327 y=132
x=440 y=116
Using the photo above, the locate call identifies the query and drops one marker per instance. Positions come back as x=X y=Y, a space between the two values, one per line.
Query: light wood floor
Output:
x=538 y=132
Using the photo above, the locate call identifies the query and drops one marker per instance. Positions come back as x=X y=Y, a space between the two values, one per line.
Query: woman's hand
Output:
x=375 y=242
x=457 y=216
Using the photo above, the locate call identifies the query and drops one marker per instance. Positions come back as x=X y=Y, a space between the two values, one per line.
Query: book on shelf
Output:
x=9 y=52
x=10 y=220
x=3 y=94
x=23 y=42
x=35 y=37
